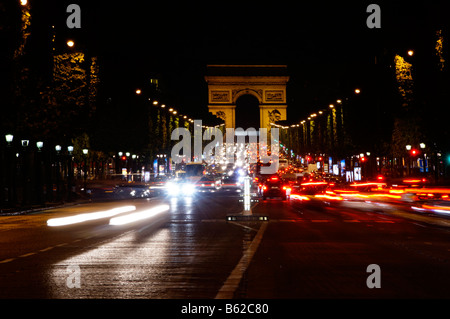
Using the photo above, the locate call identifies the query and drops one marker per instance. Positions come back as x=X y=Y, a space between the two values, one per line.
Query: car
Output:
x=208 y=184
x=159 y=181
x=276 y=187
x=131 y=190
x=180 y=188
x=158 y=184
x=232 y=183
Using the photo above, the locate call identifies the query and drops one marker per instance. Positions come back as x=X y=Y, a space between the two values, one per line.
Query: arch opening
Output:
x=247 y=112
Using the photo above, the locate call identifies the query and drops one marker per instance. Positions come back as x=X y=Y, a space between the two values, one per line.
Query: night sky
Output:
x=327 y=46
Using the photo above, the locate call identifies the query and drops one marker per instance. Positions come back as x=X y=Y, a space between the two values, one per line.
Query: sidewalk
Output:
x=12 y=211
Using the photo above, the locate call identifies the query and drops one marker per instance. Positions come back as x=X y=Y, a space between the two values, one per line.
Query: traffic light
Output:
x=124 y=158
x=414 y=152
x=363 y=159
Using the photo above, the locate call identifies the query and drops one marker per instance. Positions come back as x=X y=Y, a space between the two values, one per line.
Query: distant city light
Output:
x=70 y=43
x=357 y=91
x=23 y=2
x=138 y=91
x=410 y=52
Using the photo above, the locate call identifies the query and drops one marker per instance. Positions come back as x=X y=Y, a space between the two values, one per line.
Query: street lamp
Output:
x=58 y=148
x=9 y=138
x=70 y=43
x=70 y=174
x=357 y=91
x=408 y=147
x=410 y=52
x=85 y=152
x=422 y=145
x=39 y=145
x=138 y=91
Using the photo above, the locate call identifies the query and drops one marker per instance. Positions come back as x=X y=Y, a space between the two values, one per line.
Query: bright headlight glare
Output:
x=173 y=188
x=188 y=189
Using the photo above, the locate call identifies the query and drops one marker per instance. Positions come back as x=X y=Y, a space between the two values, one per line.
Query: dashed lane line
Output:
x=4 y=261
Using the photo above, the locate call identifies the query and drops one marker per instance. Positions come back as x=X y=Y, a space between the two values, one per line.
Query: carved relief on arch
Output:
x=236 y=93
x=221 y=115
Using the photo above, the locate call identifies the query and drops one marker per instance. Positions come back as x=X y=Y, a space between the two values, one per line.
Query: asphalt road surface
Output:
x=191 y=250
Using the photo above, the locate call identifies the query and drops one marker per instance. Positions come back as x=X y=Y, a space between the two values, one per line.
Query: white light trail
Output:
x=89 y=216
x=129 y=218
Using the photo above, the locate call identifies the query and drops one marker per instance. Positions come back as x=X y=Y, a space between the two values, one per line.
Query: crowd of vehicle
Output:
x=290 y=183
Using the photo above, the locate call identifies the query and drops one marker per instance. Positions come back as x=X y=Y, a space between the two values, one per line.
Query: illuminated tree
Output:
x=439 y=47
x=403 y=75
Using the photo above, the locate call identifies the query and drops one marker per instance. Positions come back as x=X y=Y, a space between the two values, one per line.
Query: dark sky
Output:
x=327 y=46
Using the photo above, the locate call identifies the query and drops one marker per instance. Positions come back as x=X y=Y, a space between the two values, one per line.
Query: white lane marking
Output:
x=233 y=280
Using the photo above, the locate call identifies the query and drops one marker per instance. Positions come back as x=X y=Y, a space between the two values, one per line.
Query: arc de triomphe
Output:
x=226 y=83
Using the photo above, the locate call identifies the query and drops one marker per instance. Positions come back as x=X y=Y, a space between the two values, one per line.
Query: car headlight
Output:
x=173 y=189
x=188 y=189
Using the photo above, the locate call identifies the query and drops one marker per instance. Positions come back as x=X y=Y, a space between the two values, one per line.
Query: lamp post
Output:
x=58 y=172
x=424 y=159
x=70 y=173
x=85 y=153
x=10 y=169
x=408 y=148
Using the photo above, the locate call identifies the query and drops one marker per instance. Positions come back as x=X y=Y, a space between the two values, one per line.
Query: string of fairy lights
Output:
x=174 y=112
x=314 y=115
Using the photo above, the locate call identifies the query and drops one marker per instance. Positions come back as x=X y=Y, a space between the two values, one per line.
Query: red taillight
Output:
x=264 y=187
x=274 y=178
